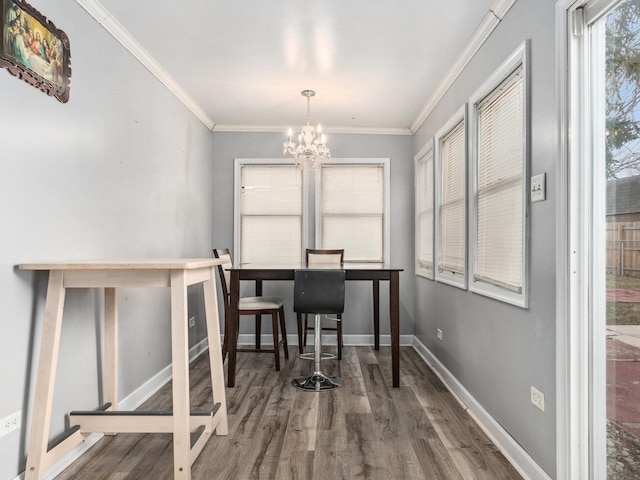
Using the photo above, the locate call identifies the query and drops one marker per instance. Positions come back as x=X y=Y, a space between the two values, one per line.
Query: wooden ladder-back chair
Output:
x=257 y=306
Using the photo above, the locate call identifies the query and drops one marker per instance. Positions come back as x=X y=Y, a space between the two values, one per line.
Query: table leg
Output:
x=234 y=297
x=258 y=327
x=215 y=355
x=376 y=314
x=45 y=382
x=180 y=367
x=110 y=373
x=394 y=316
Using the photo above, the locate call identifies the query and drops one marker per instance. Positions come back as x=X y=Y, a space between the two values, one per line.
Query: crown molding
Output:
x=491 y=20
x=111 y=25
x=484 y=30
x=282 y=129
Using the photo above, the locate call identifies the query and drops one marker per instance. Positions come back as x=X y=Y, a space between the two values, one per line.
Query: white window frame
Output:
x=519 y=298
x=424 y=156
x=455 y=279
x=237 y=178
x=385 y=163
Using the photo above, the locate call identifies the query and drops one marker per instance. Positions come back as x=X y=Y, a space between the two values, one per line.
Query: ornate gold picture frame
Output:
x=33 y=49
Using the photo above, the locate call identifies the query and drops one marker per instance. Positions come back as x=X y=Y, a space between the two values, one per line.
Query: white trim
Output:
x=386 y=164
x=598 y=244
x=580 y=451
x=568 y=446
x=446 y=277
x=111 y=25
x=596 y=9
x=519 y=57
x=510 y=448
x=326 y=129
x=129 y=403
x=491 y=20
x=423 y=152
x=237 y=167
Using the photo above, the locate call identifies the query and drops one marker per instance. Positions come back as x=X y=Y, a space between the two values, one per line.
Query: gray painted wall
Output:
x=495 y=350
x=122 y=170
x=358 y=309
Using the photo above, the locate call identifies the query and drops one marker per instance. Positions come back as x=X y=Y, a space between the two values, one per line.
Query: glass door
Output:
x=614 y=297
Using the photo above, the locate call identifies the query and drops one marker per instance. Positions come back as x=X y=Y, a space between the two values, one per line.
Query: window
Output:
x=352 y=204
x=424 y=211
x=498 y=204
x=451 y=202
x=273 y=211
x=269 y=212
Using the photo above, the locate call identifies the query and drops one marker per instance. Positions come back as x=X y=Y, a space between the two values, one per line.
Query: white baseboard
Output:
x=130 y=402
x=155 y=383
x=510 y=448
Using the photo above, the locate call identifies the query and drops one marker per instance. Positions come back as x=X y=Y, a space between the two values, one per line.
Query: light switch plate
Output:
x=538 y=188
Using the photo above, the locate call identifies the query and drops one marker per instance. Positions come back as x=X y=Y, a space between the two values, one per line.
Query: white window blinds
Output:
x=351 y=212
x=500 y=185
x=424 y=214
x=270 y=214
x=452 y=206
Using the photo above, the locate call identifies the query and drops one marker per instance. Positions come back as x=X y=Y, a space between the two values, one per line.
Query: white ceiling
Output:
x=373 y=64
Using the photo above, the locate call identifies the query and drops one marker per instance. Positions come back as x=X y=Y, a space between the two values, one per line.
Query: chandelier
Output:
x=312 y=148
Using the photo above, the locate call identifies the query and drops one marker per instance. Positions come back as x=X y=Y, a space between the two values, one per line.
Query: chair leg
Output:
x=299 y=320
x=225 y=338
x=306 y=319
x=283 y=332
x=276 y=349
x=258 y=330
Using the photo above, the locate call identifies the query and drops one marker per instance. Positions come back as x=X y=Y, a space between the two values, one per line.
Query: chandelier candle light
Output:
x=312 y=149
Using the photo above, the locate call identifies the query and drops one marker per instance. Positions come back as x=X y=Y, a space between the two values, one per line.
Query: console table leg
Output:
x=180 y=367
x=46 y=376
x=110 y=374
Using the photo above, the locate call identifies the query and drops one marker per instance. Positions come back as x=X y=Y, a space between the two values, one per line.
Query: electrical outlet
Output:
x=439 y=334
x=537 y=398
x=10 y=423
x=192 y=322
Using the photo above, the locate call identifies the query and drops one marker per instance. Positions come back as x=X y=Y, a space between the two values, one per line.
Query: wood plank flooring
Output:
x=364 y=430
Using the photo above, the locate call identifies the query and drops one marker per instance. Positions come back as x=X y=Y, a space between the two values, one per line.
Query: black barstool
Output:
x=318 y=292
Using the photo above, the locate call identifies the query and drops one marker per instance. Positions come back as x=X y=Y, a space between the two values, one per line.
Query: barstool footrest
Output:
x=317 y=382
x=324 y=356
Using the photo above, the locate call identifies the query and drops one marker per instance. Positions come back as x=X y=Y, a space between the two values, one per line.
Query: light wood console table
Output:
x=190 y=430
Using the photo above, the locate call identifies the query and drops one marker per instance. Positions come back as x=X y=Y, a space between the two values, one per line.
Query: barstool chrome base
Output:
x=318 y=382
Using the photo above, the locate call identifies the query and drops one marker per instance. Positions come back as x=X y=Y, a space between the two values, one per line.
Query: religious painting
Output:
x=33 y=49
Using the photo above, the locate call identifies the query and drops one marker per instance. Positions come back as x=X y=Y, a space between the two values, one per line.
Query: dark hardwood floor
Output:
x=364 y=430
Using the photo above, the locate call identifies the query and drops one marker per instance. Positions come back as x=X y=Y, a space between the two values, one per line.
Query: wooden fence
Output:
x=623 y=249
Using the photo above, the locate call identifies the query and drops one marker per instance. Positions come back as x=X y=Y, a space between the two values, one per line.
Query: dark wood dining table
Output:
x=373 y=272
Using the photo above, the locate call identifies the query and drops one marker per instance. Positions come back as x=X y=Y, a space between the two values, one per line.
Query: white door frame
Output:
x=578 y=357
